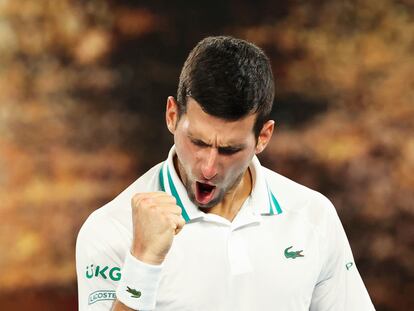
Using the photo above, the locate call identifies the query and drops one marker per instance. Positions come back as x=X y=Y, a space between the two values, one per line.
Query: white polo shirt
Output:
x=286 y=250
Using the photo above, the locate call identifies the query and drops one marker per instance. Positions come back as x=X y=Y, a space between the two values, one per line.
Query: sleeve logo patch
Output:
x=113 y=273
x=101 y=295
x=135 y=293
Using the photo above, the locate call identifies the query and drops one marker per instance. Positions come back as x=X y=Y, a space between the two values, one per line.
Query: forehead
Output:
x=204 y=126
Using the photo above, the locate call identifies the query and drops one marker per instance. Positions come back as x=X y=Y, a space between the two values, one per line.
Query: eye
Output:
x=199 y=143
x=228 y=150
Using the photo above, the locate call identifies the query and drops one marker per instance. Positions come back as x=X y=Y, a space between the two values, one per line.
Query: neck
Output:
x=233 y=201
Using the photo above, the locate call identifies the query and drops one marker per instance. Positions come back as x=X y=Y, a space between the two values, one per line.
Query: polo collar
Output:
x=171 y=183
x=262 y=199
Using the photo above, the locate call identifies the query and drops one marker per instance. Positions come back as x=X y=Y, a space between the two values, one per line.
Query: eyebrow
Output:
x=234 y=147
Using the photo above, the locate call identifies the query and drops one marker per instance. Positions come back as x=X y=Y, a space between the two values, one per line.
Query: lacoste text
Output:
x=101 y=295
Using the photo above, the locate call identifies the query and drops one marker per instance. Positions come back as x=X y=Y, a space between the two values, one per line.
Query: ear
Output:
x=265 y=135
x=171 y=114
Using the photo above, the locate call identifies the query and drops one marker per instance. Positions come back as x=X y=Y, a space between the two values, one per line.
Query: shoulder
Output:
x=300 y=200
x=109 y=227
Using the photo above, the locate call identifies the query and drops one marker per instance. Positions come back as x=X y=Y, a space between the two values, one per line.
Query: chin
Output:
x=206 y=206
x=213 y=202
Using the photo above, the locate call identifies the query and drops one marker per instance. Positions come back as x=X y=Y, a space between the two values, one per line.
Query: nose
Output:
x=209 y=164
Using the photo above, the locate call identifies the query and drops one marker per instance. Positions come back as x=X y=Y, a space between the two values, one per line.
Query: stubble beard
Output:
x=190 y=192
x=218 y=197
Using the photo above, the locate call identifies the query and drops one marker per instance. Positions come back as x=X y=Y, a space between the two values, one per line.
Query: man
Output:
x=210 y=228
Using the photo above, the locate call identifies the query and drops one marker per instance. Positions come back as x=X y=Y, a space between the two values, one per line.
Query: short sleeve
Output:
x=339 y=286
x=100 y=251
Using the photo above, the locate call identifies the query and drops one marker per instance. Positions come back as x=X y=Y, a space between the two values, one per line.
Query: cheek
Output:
x=185 y=151
x=236 y=165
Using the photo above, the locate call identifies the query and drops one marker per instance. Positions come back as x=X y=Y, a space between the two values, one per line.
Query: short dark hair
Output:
x=230 y=78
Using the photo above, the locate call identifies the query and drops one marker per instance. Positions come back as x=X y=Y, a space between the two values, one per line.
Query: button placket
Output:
x=238 y=255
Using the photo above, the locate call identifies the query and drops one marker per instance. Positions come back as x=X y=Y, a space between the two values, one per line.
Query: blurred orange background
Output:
x=83 y=85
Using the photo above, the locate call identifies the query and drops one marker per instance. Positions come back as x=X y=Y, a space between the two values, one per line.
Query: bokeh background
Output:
x=83 y=86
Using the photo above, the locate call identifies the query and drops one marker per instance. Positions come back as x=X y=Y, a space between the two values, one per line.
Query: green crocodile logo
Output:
x=135 y=293
x=293 y=254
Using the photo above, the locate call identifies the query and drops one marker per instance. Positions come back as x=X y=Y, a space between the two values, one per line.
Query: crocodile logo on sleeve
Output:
x=135 y=293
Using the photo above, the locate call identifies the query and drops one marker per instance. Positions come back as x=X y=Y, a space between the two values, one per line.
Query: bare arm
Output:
x=119 y=306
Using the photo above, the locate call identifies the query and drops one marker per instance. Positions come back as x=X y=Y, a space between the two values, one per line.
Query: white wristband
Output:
x=139 y=283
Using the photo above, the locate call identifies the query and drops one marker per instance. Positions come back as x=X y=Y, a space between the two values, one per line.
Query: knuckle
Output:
x=137 y=198
x=145 y=201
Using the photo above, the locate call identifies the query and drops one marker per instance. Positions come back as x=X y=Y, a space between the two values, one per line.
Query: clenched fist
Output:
x=156 y=218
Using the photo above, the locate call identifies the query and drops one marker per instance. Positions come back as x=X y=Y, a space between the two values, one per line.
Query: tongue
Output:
x=204 y=192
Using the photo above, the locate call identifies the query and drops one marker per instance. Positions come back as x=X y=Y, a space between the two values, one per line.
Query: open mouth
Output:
x=204 y=192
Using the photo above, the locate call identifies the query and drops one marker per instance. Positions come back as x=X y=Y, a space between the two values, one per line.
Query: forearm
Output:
x=119 y=306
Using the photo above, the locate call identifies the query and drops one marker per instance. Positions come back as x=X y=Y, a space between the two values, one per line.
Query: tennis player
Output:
x=210 y=228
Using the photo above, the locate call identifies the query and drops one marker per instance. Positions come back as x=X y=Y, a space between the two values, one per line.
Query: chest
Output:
x=269 y=265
